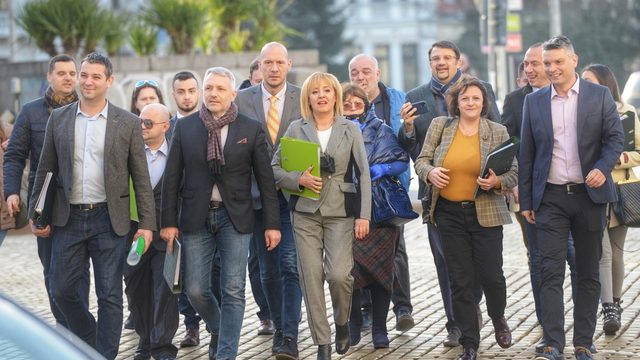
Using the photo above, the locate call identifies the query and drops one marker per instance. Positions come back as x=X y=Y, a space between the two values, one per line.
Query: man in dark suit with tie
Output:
x=571 y=140
x=444 y=59
x=152 y=302
x=213 y=154
x=93 y=147
x=276 y=103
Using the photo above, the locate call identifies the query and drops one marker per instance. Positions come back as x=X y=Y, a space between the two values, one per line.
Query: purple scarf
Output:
x=215 y=155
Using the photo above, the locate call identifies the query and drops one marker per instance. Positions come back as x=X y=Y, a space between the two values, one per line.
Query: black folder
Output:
x=43 y=210
x=500 y=159
x=171 y=269
x=629 y=127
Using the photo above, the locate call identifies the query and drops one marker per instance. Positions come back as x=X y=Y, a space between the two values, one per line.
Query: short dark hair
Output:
x=606 y=78
x=350 y=89
x=255 y=65
x=445 y=44
x=98 y=58
x=59 y=58
x=136 y=93
x=465 y=82
x=558 y=42
x=182 y=76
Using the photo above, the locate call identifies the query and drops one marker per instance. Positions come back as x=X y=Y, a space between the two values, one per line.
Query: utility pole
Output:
x=555 y=18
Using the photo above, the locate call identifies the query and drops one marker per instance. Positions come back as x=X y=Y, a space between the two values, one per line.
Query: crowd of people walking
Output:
x=211 y=180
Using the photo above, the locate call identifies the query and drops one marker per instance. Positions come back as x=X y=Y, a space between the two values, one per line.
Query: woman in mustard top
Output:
x=454 y=152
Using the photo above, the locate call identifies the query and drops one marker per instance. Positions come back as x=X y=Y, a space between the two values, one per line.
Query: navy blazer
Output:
x=26 y=142
x=245 y=151
x=600 y=142
x=512 y=109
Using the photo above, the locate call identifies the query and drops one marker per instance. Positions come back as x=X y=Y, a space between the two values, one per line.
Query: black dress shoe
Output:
x=213 y=346
x=503 y=333
x=288 y=350
x=191 y=338
x=129 y=324
x=541 y=345
x=143 y=351
x=342 y=338
x=324 y=352
x=468 y=354
x=277 y=342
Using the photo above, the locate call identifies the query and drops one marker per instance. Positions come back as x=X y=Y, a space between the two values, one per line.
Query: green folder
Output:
x=133 y=207
x=298 y=155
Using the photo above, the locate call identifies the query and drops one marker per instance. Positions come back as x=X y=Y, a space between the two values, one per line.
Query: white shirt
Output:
x=266 y=103
x=323 y=136
x=88 y=158
x=156 y=161
x=215 y=193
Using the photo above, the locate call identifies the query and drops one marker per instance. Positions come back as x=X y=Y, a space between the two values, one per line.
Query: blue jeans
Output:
x=534 y=266
x=279 y=273
x=199 y=249
x=256 y=283
x=88 y=234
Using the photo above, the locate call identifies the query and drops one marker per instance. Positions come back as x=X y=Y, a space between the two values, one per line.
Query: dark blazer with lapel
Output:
x=124 y=158
x=512 y=109
x=245 y=151
x=600 y=142
x=413 y=145
x=250 y=103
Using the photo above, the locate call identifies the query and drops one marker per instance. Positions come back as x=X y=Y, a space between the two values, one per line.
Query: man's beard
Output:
x=187 y=110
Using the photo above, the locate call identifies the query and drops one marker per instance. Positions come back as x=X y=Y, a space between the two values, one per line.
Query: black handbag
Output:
x=391 y=203
x=627 y=208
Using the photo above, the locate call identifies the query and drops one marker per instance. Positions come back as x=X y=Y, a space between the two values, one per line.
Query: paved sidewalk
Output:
x=21 y=279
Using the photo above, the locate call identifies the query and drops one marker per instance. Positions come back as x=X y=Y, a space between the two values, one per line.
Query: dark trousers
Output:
x=380 y=302
x=401 y=295
x=44 y=253
x=88 y=235
x=559 y=214
x=154 y=306
x=256 y=284
x=279 y=273
x=473 y=253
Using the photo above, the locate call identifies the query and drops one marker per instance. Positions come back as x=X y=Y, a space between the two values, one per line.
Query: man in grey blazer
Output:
x=93 y=147
x=276 y=103
x=571 y=140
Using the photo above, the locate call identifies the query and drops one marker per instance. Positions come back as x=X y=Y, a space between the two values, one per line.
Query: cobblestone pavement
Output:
x=21 y=279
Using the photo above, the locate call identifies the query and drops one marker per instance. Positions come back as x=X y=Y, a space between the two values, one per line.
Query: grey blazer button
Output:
x=329 y=177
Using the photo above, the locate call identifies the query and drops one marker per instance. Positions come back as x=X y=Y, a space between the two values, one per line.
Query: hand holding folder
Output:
x=43 y=211
x=298 y=155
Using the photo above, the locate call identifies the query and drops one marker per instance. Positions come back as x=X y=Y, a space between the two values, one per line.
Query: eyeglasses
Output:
x=446 y=58
x=148 y=123
x=353 y=105
x=142 y=83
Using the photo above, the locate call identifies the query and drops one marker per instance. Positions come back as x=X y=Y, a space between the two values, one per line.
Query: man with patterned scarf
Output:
x=444 y=60
x=213 y=153
x=26 y=142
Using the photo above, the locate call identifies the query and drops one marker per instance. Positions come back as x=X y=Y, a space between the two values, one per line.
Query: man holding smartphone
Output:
x=444 y=59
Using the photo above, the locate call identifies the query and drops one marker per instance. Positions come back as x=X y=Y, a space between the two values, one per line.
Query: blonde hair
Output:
x=312 y=81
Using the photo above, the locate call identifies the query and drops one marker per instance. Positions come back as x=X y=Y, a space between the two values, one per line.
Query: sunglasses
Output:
x=148 y=123
x=152 y=83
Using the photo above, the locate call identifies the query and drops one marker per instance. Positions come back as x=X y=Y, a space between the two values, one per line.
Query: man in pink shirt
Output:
x=571 y=139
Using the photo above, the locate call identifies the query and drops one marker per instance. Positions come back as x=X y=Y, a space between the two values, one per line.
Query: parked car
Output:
x=25 y=336
x=631 y=92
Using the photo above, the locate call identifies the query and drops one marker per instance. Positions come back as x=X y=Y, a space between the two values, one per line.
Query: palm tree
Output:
x=182 y=19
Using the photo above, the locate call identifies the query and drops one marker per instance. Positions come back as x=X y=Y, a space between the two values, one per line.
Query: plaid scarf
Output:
x=441 y=88
x=215 y=155
x=55 y=101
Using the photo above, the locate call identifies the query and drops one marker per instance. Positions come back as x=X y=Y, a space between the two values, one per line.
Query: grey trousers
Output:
x=324 y=252
x=612 y=263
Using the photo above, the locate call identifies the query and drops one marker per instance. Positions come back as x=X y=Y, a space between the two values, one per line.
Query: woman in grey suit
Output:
x=324 y=228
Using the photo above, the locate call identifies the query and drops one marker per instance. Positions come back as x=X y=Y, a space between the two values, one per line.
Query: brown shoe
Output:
x=503 y=333
x=266 y=327
x=191 y=338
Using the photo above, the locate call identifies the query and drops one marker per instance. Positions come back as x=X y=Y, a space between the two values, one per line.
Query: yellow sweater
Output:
x=463 y=162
